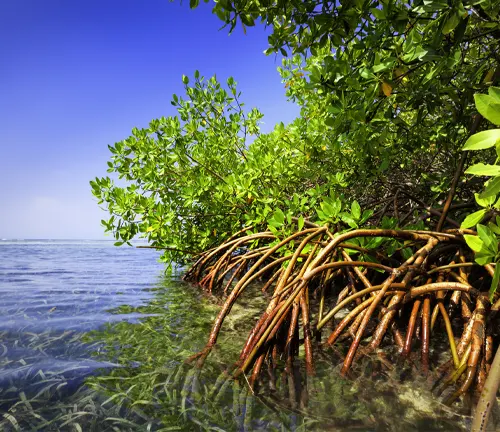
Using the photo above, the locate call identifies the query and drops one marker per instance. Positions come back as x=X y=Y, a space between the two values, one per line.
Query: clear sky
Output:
x=77 y=75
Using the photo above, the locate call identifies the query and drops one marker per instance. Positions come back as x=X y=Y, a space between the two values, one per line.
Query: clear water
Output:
x=94 y=338
x=53 y=285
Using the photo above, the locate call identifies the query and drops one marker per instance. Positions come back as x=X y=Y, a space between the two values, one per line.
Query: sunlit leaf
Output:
x=474 y=242
x=483 y=140
x=482 y=169
x=488 y=107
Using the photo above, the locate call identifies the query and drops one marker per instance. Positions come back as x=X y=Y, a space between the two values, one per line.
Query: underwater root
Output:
x=324 y=289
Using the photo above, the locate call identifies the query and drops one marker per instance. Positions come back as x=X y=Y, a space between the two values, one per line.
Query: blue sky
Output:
x=78 y=75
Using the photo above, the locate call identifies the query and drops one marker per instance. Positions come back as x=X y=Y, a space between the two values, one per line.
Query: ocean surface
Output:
x=54 y=285
x=94 y=337
x=51 y=293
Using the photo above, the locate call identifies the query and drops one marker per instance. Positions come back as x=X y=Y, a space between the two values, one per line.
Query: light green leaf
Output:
x=474 y=242
x=300 y=222
x=279 y=216
x=321 y=215
x=481 y=169
x=356 y=210
x=488 y=107
x=488 y=237
x=274 y=223
x=473 y=219
x=494 y=92
x=328 y=209
x=485 y=202
x=185 y=79
x=483 y=140
x=492 y=189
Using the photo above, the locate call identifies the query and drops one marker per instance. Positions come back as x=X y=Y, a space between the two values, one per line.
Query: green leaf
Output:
x=485 y=202
x=194 y=3
x=378 y=13
x=279 y=216
x=367 y=214
x=488 y=107
x=356 y=210
x=383 y=66
x=451 y=22
x=274 y=223
x=494 y=228
x=367 y=73
x=328 y=209
x=321 y=215
x=407 y=253
x=248 y=20
x=348 y=219
x=473 y=219
x=495 y=282
x=185 y=79
x=481 y=169
x=474 y=242
x=483 y=140
x=488 y=237
x=483 y=258
x=300 y=222
x=492 y=188
x=494 y=93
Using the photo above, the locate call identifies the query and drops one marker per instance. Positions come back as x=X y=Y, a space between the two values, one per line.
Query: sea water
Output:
x=94 y=337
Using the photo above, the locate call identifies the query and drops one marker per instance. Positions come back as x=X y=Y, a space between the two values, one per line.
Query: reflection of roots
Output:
x=315 y=276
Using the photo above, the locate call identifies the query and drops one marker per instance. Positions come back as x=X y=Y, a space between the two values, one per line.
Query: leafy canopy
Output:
x=386 y=91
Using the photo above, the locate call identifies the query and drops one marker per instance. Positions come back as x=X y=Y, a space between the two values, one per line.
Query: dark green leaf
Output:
x=495 y=282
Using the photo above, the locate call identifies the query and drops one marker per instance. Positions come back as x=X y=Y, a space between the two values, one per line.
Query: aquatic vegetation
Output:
x=148 y=385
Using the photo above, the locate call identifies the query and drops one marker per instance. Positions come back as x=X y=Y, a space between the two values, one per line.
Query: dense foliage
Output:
x=386 y=91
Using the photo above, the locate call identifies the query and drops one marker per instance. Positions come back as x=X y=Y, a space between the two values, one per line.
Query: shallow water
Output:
x=94 y=337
